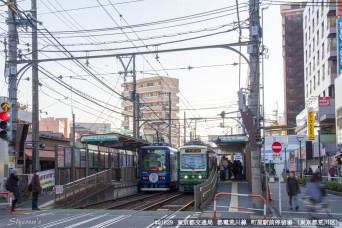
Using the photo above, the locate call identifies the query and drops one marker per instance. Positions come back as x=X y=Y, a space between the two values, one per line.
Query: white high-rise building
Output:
x=320 y=71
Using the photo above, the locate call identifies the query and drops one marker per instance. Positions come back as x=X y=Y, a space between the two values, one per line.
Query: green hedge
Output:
x=303 y=180
x=332 y=185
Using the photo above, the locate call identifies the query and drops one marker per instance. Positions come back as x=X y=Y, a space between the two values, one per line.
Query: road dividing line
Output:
x=234 y=199
x=86 y=221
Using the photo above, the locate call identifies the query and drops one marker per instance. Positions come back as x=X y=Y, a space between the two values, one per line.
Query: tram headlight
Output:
x=186 y=177
x=200 y=177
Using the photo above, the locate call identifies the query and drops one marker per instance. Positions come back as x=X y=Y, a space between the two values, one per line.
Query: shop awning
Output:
x=43 y=154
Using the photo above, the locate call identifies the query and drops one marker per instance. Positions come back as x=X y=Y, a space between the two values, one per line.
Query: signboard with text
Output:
x=311 y=125
x=339 y=44
x=339 y=8
x=323 y=101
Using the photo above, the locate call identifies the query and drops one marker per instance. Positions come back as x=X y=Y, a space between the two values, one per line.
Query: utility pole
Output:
x=12 y=76
x=131 y=59
x=35 y=94
x=73 y=149
x=137 y=115
x=170 y=118
x=254 y=96
x=184 y=129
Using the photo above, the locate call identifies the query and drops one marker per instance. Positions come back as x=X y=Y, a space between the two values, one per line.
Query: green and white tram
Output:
x=195 y=163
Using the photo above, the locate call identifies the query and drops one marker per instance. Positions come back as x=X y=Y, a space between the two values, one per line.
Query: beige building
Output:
x=154 y=108
x=56 y=125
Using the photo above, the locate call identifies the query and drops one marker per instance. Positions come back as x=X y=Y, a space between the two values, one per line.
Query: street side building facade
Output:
x=293 y=61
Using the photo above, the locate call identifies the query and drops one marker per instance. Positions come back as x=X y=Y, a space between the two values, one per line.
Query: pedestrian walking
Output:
x=12 y=186
x=332 y=172
x=293 y=190
x=315 y=189
x=36 y=190
x=235 y=169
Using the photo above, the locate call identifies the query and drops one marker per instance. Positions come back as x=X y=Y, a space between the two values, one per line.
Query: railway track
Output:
x=119 y=202
x=181 y=203
x=167 y=201
x=151 y=202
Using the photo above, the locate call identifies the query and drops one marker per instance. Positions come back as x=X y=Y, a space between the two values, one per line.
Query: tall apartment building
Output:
x=320 y=67
x=154 y=108
x=293 y=61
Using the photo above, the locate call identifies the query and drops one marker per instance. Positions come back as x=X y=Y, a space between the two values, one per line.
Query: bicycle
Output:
x=313 y=208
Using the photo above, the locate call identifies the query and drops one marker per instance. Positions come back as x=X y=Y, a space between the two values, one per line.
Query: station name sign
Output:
x=229 y=139
x=100 y=138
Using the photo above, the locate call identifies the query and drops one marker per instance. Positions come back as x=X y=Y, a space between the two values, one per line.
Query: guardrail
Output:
x=82 y=187
x=244 y=208
x=328 y=178
x=9 y=199
x=205 y=191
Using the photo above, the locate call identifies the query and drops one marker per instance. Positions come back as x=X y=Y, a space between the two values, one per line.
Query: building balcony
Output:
x=331 y=7
x=332 y=70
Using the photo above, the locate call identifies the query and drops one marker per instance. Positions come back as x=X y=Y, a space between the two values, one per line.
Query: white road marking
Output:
x=54 y=223
x=86 y=221
x=234 y=199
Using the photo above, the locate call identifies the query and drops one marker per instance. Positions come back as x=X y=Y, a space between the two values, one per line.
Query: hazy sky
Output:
x=209 y=88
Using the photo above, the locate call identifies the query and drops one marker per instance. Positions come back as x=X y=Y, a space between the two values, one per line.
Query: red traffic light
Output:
x=4 y=116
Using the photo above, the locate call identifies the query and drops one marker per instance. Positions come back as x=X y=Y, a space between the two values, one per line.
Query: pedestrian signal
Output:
x=5 y=128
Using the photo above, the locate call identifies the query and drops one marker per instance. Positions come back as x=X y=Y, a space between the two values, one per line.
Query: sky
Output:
x=106 y=25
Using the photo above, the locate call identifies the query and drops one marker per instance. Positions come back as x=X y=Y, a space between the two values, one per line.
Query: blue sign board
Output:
x=339 y=46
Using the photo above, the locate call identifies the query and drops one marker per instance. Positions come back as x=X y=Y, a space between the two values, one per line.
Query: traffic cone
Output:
x=269 y=193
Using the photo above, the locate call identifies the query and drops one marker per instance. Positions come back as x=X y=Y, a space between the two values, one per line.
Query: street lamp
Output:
x=300 y=139
x=319 y=150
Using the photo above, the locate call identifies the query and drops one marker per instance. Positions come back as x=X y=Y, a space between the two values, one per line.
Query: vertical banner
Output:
x=339 y=43
x=292 y=161
x=311 y=125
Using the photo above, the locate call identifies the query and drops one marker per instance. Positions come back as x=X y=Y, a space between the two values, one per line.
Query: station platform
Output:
x=233 y=206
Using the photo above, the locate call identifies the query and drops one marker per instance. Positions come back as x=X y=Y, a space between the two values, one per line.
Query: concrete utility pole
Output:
x=184 y=129
x=73 y=149
x=170 y=119
x=35 y=92
x=12 y=76
x=254 y=96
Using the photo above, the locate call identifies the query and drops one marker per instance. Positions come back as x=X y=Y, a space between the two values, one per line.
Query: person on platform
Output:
x=36 y=190
x=310 y=172
x=12 y=186
x=223 y=168
x=293 y=190
x=305 y=172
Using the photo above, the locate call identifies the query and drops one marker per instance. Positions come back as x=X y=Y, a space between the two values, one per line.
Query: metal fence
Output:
x=82 y=187
x=328 y=178
x=205 y=191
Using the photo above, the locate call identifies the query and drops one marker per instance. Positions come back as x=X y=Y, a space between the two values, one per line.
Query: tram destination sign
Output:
x=100 y=138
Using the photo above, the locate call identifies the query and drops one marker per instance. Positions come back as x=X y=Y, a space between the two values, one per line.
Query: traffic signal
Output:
x=5 y=126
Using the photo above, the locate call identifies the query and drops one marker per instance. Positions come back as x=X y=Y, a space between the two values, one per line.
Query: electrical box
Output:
x=250 y=49
x=255 y=30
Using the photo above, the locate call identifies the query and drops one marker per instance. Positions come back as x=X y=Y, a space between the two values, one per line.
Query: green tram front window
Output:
x=193 y=161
